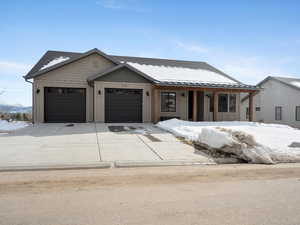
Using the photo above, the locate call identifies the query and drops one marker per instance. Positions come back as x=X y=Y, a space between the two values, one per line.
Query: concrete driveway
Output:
x=92 y=143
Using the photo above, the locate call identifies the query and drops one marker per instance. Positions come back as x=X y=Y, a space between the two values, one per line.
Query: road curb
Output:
x=128 y=164
x=99 y=165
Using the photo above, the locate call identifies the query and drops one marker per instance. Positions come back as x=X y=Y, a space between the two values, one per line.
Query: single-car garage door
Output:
x=123 y=105
x=63 y=105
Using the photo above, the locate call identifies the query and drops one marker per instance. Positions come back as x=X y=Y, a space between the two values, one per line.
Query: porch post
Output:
x=195 y=107
x=251 y=94
x=156 y=105
x=215 y=112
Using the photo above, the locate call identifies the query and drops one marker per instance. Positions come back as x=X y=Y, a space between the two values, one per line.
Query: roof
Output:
x=173 y=70
x=289 y=81
x=123 y=65
x=165 y=72
x=49 y=56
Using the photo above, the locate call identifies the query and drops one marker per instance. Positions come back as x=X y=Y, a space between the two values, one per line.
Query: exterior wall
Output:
x=274 y=94
x=222 y=116
x=99 y=100
x=71 y=75
x=181 y=104
x=257 y=115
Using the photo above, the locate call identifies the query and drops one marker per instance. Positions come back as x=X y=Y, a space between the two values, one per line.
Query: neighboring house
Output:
x=94 y=86
x=277 y=102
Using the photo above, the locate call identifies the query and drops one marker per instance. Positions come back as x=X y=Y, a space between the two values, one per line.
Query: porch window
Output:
x=168 y=101
x=297 y=113
x=223 y=103
x=232 y=103
x=278 y=113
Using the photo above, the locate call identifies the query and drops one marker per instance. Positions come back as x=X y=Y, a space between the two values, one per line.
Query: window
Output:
x=168 y=102
x=257 y=109
x=278 y=113
x=223 y=103
x=297 y=113
x=232 y=103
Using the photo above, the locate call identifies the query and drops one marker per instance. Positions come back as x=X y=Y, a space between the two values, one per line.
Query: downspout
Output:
x=32 y=107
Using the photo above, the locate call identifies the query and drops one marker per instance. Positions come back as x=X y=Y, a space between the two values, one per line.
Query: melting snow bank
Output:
x=10 y=126
x=253 y=142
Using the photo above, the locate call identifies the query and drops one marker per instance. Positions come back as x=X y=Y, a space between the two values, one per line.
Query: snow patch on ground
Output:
x=55 y=61
x=253 y=142
x=10 y=126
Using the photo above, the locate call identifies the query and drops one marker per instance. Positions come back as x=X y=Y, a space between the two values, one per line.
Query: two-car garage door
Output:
x=69 y=105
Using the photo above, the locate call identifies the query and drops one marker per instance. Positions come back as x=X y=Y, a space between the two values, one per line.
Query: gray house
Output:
x=94 y=86
x=277 y=102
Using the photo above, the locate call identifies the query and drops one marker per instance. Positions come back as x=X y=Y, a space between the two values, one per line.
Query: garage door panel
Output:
x=123 y=105
x=65 y=104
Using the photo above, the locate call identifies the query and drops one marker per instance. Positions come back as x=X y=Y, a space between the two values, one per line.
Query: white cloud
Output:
x=130 y=5
x=248 y=69
x=13 y=88
x=8 y=67
x=194 y=48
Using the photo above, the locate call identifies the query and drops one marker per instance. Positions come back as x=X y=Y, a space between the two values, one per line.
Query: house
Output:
x=94 y=86
x=277 y=102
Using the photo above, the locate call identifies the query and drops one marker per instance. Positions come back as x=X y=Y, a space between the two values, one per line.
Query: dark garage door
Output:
x=123 y=105
x=63 y=105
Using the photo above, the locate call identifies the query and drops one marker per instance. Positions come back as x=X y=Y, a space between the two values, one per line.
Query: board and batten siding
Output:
x=71 y=75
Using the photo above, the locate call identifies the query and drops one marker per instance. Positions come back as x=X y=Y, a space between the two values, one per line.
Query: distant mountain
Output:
x=15 y=109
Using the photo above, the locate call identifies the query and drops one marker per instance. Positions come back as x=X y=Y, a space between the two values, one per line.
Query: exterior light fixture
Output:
x=183 y=94
x=147 y=93
x=38 y=91
x=99 y=92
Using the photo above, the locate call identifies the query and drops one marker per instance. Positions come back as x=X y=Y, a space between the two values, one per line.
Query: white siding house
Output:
x=277 y=102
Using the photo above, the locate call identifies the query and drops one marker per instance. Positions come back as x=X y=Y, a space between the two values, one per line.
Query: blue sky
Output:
x=249 y=40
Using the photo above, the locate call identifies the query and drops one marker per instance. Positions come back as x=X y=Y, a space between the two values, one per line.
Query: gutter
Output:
x=32 y=107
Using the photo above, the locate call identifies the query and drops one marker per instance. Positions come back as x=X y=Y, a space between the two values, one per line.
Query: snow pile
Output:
x=10 y=126
x=170 y=73
x=55 y=61
x=296 y=83
x=253 y=142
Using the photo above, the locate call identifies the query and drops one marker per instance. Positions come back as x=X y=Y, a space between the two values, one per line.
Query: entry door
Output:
x=200 y=105
x=123 y=105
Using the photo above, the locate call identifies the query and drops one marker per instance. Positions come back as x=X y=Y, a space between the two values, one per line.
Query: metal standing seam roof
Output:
x=122 y=60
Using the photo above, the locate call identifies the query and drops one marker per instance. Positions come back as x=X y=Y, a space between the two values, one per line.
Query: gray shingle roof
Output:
x=49 y=56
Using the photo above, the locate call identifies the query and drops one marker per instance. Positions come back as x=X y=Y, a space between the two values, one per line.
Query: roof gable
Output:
x=119 y=67
x=38 y=70
x=289 y=81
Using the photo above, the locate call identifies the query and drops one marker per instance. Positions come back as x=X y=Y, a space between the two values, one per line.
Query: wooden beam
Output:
x=216 y=106
x=203 y=89
x=195 y=106
x=251 y=95
x=156 y=105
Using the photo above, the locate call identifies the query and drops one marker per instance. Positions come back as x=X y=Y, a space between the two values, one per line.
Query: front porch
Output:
x=198 y=104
